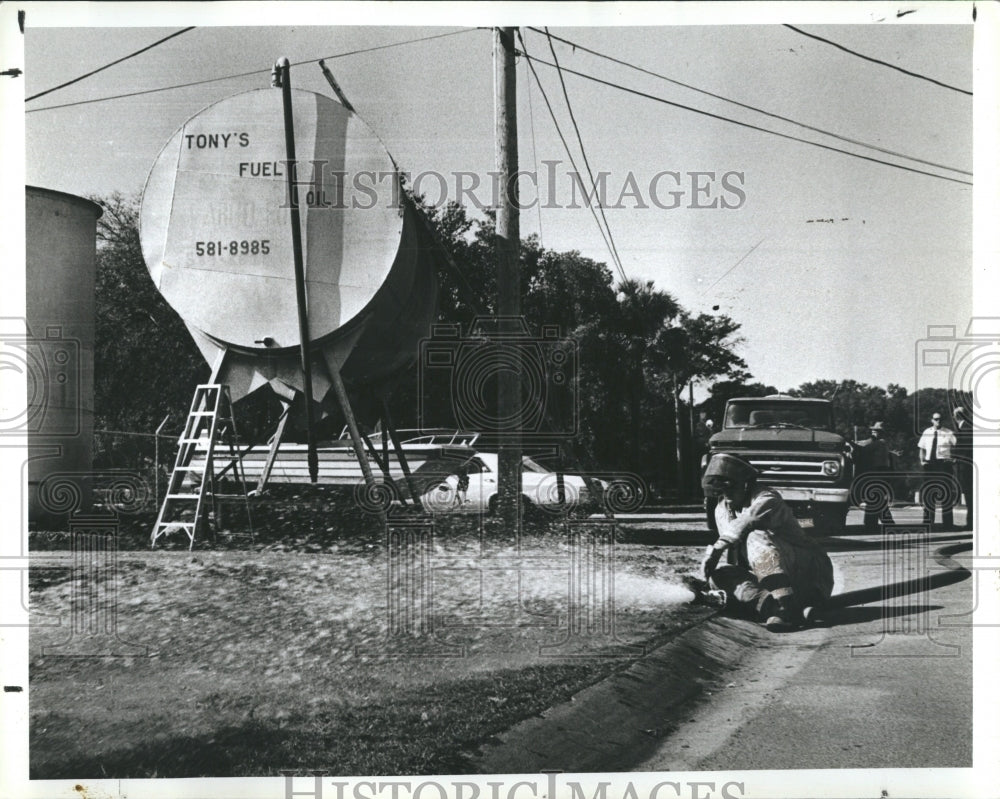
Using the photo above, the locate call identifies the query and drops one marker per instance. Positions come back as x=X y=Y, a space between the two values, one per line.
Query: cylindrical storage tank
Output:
x=61 y=238
x=216 y=237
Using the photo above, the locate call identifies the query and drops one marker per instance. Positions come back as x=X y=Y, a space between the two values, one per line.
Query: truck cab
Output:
x=791 y=443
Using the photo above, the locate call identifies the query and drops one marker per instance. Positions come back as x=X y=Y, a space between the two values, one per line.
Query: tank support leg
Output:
x=400 y=455
x=275 y=442
x=383 y=463
x=352 y=426
x=220 y=361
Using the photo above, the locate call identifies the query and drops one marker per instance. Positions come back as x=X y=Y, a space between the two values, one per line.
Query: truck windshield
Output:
x=811 y=415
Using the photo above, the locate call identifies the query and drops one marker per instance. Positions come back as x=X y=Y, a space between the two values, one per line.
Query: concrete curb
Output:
x=620 y=720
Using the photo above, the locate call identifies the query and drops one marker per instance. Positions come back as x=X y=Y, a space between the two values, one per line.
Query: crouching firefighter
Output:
x=773 y=572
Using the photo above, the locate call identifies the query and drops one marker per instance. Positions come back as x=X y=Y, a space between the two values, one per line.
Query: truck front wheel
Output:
x=829 y=519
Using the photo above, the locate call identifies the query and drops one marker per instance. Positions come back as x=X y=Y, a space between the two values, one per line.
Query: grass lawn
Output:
x=347 y=653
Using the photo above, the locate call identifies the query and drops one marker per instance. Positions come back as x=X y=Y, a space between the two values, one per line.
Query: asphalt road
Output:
x=883 y=681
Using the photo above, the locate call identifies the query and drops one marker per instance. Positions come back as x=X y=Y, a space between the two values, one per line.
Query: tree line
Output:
x=625 y=392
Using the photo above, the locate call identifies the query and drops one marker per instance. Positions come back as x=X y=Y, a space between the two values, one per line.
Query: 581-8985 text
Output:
x=244 y=247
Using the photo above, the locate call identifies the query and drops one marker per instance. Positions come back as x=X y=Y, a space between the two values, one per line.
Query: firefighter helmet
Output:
x=725 y=471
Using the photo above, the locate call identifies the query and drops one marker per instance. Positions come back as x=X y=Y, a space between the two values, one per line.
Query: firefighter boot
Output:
x=783 y=614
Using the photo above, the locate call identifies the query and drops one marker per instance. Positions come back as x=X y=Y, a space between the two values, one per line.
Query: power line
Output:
x=534 y=150
x=252 y=72
x=878 y=61
x=847 y=139
x=730 y=269
x=586 y=161
x=152 y=91
x=569 y=153
x=748 y=125
x=106 y=66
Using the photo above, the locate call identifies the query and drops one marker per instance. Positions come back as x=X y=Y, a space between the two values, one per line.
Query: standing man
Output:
x=935 y=447
x=774 y=570
x=963 y=461
x=462 y=486
x=874 y=457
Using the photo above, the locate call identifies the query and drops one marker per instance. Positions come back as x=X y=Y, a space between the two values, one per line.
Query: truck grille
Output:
x=799 y=468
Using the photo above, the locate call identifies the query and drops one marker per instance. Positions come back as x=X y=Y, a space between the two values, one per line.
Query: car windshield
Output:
x=530 y=466
x=477 y=465
x=811 y=415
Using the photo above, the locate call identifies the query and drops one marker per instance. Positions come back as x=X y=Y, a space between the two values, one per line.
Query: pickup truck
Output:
x=792 y=444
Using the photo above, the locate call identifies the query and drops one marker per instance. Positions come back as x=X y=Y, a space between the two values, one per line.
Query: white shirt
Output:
x=945 y=441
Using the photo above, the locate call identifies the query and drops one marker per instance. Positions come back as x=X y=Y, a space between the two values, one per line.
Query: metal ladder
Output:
x=210 y=417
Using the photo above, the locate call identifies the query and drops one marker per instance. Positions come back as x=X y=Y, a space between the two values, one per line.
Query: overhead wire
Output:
x=266 y=71
x=534 y=150
x=569 y=153
x=730 y=269
x=586 y=161
x=747 y=125
x=879 y=61
x=813 y=128
x=106 y=66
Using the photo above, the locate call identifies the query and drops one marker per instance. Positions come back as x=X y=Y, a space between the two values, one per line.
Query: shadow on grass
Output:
x=429 y=731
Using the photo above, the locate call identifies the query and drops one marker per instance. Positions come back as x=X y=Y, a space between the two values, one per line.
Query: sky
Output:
x=834 y=266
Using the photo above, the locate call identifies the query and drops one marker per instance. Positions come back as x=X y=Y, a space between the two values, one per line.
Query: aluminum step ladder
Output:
x=209 y=422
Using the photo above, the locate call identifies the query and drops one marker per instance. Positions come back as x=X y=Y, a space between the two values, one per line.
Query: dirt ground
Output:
x=361 y=655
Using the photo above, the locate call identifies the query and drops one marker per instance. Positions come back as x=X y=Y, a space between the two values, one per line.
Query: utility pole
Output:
x=285 y=82
x=694 y=466
x=681 y=472
x=508 y=271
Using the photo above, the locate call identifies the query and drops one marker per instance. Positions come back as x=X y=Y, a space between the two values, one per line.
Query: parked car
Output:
x=539 y=489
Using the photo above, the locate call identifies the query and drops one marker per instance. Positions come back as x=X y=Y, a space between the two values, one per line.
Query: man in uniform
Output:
x=774 y=571
x=873 y=456
x=963 y=461
x=935 y=447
